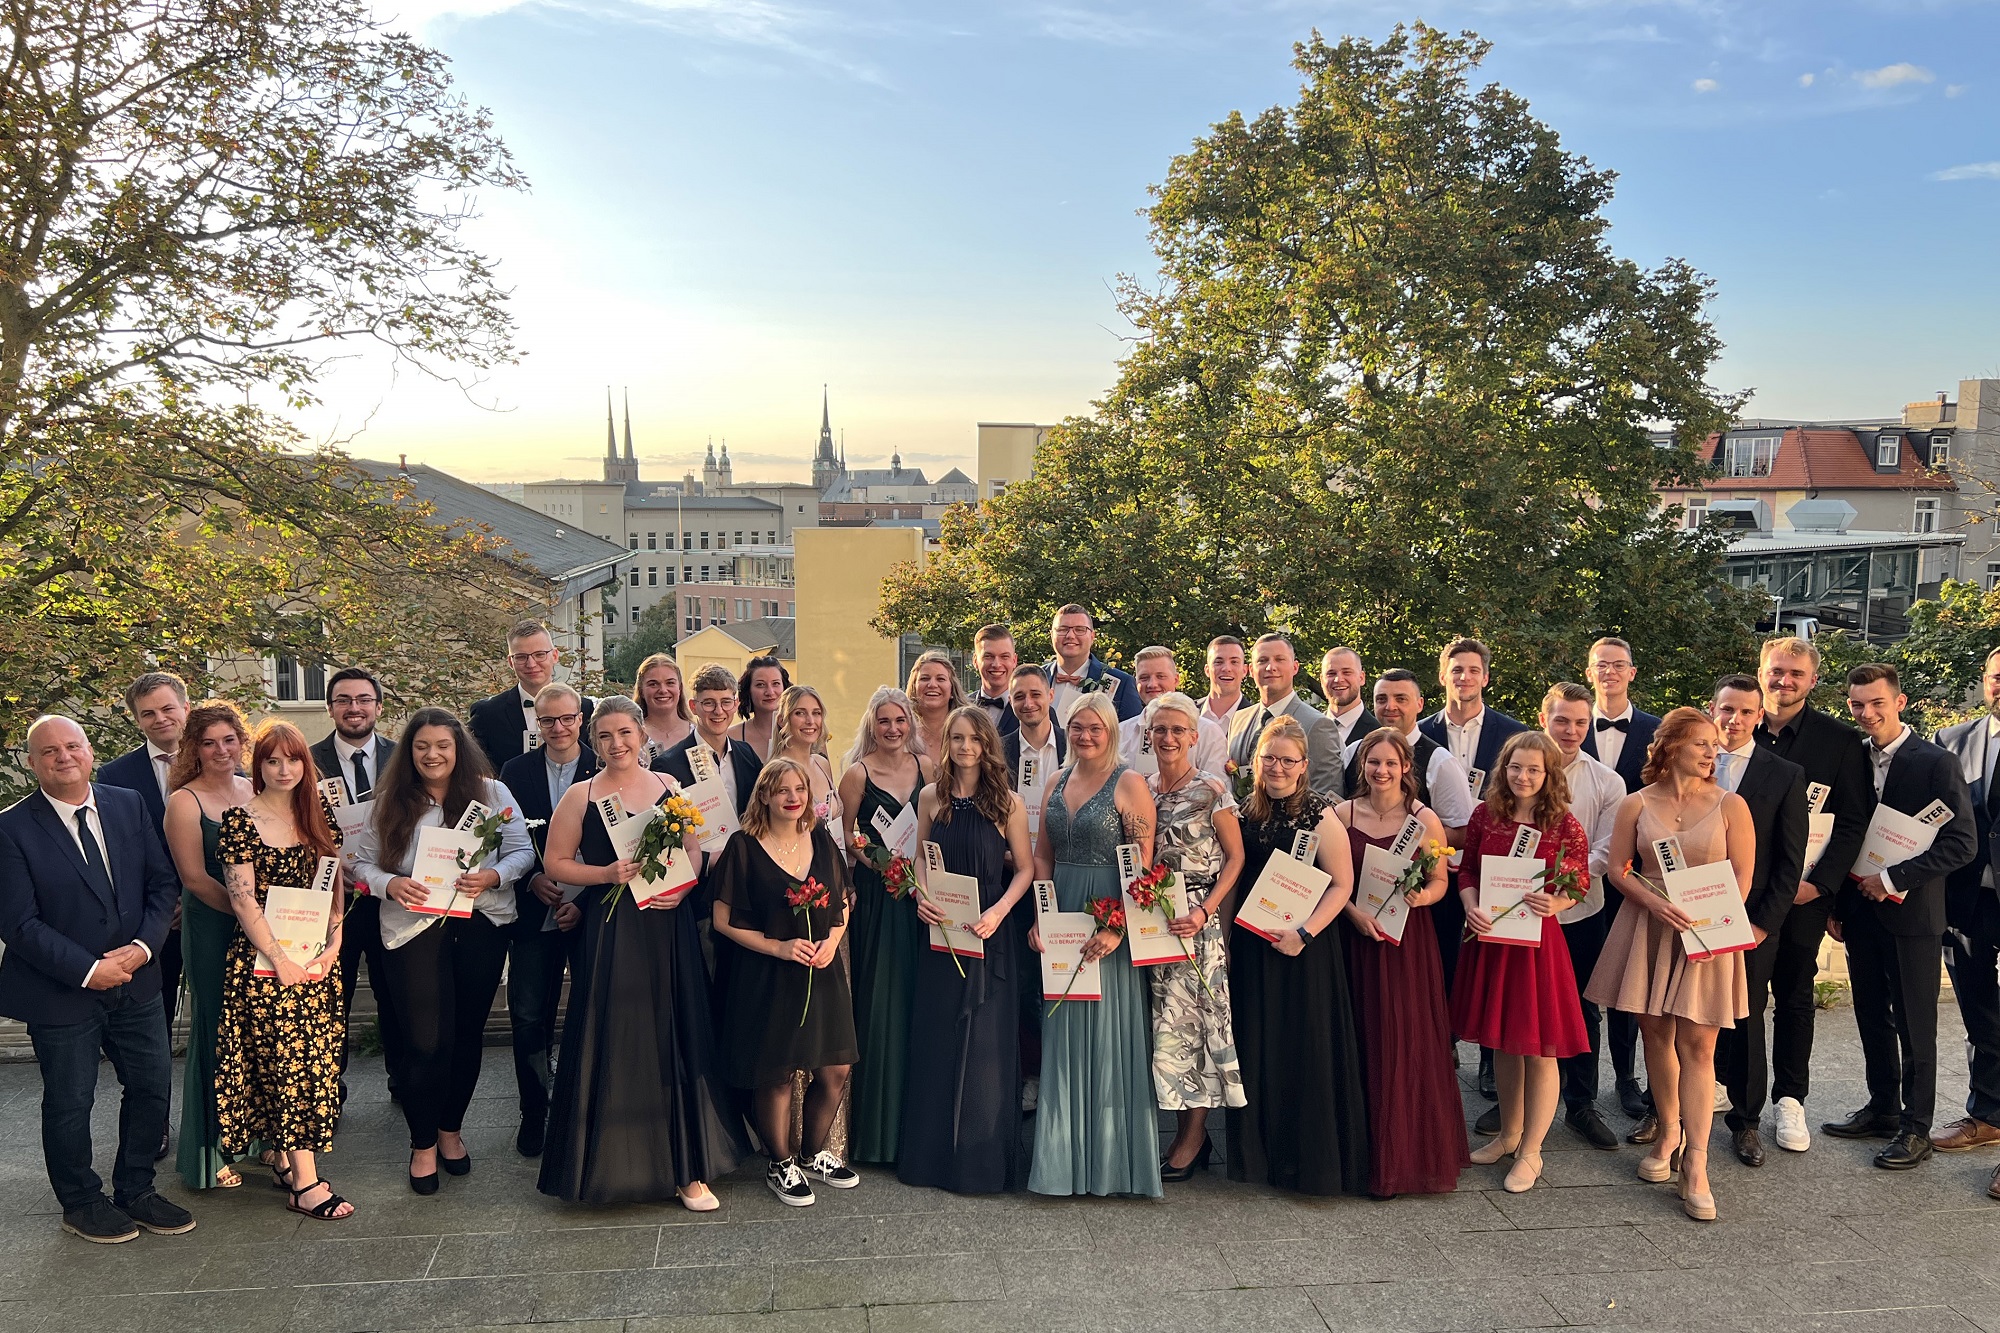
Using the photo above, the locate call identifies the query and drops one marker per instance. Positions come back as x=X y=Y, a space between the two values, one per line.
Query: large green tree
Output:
x=200 y=201
x=1391 y=385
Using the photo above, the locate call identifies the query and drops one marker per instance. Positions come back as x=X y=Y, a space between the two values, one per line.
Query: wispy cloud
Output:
x=1969 y=171
x=1089 y=25
x=1894 y=76
x=1706 y=85
x=1805 y=80
x=1953 y=89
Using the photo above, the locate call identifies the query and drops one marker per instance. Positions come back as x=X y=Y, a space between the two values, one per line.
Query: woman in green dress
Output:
x=205 y=782
x=884 y=770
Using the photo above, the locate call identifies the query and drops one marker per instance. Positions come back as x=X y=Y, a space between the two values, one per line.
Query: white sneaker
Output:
x=1031 y=1093
x=1792 y=1135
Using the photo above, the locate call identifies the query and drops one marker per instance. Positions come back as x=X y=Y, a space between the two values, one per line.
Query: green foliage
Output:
x=1391 y=386
x=657 y=633
x=1944 y=656
x=205 y=199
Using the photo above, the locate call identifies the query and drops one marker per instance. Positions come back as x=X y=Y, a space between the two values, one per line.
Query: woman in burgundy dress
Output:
x=1519 y=1000
x=1417 y=1145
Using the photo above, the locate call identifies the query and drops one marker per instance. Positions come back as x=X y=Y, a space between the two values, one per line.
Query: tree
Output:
x=200 y=201
x=1390 y=387
x=656 y=632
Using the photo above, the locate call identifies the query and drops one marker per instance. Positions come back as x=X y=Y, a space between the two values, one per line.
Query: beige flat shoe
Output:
x=704 y=1202
x=1493 y=1151
x=1521 y=1177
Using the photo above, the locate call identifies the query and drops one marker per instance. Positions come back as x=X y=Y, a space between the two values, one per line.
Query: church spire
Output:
x=610 y=431
x=628 y=428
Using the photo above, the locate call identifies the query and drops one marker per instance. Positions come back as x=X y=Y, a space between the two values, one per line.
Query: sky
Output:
x=926 y=205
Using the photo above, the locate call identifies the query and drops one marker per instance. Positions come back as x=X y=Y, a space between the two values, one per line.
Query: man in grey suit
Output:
x=1275 y=666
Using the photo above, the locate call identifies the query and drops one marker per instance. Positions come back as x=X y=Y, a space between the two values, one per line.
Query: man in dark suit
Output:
x=1034 y=730
x=1344 y=681
x=714 y=711
x=358 y=756
x=1075 y=668
x=1833 y=754
x=1275 y=665
x=537 y=952
x=504 y=724
x=86 y=894
x=1894 y=948
x=1775 y=791
x=994 y=654
x=158 y=703
x=1972 y=927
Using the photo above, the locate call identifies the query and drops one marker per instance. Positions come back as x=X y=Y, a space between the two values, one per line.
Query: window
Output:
x=670 y=576
x=1992 y=575
x=743 y=608
x=634 y=580
x=704 y=541
x=1697 y=510
x=692 y=620
x=1886 y=448
x=1940 y=450
x=293 y=683
x=788 y=608
x=1752 y=456
x=652 y=576
x=635 y=540
x=687 y=573
x=867 y=513
x=652 y=541
x=802 y=509
x=738 y=541
x=718 y=610
x=705 y=573
x=687 y=541
x=604 y=509
x=1927 y=516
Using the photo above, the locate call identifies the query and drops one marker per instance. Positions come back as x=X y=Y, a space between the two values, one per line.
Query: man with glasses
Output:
x=1075 y=669
x=714 y=712
x=504 y=725
x=357 y=755
x=537 y=947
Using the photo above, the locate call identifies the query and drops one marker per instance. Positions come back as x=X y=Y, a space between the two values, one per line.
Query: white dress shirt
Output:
x=1211 y=747
x=1221 y=717
x=162 y=761
x=515 y=857
x=67 y=814
x=1880 y=760
x=1729 y=765
x=1595 y=793
x=1346 y=721
x=1610 y=741
x=1036 y=795
x=345 y=753
x=723 y=769
x=1463 y=737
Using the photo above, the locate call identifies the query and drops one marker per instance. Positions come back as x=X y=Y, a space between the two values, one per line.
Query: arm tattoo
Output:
x=242 y=884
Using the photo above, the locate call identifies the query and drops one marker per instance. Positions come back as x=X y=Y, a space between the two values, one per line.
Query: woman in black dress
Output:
x=1306 y=1127
x=639 y=1111
x=781 y=897
x=962 y=1096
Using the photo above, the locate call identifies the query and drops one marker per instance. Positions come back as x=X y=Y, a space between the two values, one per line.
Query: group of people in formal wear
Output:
x=796 y=977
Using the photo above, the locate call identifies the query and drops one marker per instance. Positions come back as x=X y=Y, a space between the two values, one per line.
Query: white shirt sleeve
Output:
x=1451 y=791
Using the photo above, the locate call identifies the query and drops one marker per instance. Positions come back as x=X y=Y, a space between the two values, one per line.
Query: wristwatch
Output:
x=1305 y=935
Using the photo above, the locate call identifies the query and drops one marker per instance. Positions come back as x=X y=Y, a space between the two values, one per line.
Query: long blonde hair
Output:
x=781 y=731
x=864 y=738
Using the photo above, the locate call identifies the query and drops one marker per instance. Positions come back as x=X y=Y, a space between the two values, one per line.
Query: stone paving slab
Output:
x=1814 y=1243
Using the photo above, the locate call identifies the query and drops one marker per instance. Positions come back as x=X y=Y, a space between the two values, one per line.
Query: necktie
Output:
x=360 y=776
x=93 y=853
x=1623 y=724
x=1725 y=770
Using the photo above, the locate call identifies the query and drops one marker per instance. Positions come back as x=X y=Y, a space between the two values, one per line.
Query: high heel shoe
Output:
x=1493 y=1150
x=1521 y=1177
x=1655 y=1171
x=1172 y=1174
x=1700 y=1207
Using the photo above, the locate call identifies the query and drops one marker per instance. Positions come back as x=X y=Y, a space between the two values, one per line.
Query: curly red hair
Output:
x=1676 y=728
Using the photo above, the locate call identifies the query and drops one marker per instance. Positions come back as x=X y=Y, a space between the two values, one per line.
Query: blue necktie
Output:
x=93 y=854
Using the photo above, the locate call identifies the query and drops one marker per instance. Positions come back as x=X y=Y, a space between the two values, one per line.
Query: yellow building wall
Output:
x=840 y=573
x=1007 y=453
x=711 y=645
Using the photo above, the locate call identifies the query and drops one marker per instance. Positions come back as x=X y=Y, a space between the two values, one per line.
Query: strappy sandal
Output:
x=327 y=1210
x=280 y=1173
x=227 y=1178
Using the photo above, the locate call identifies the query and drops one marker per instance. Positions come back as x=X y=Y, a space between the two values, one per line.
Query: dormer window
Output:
x=1886 y=450
x=1940 y=449
x=1751 y=456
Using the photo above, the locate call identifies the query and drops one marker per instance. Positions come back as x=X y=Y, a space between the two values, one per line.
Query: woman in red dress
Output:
x=1520 y=999
x=1416 y=1119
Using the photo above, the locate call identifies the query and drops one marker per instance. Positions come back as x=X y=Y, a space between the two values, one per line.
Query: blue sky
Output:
x=927 y=205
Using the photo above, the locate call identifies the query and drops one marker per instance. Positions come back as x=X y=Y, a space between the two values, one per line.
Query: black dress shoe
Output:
x=1904 y=1151
x=1867 y=1123
x=1587 y=1122
x=533 y=1132
x=1488 y=1122
x=99 y=1222
x=1749 y=1148
x=1173 y=1175
x=1647 y=1130
x=1487 y=1088
x=1632 y=1098
x=157 y=1215
x=166 y=1145
x=456 y=1166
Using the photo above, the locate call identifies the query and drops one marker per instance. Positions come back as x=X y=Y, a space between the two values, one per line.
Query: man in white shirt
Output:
x=994 y=654
x=1156 y=673
x=1595 y=793
x=1036 y=748
x=1441 y=782
x=1276 y=668
x=1345 y=683
x=714 y=699
x=1227 y=668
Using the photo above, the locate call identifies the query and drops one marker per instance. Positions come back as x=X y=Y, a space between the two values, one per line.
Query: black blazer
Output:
x=1493 y=733
x=1969 y=742
x=1831 y=752
x=499 y=721
x=133 y=771
x=528 y=780
x=56 y=922
x=327 y=760
x=1632 y=757
x=1008 y=722
x=1011 y=743
x=1919 y=774
x=1362 y=725
x=741 y=757
x=1124 y=693
x=1775 y=791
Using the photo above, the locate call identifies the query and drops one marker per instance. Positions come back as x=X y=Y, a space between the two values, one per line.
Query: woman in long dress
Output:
x=206 y=782
x=781 y=896
x=1681 y=1004
x=1519 y=1001
x=883 y=772
x=1195 y=1067
x=1097 y=1125
x=962 y=1099
x=1306 y=1125
x=640 y=1112
x=1416 y=1119
x=277 y=1057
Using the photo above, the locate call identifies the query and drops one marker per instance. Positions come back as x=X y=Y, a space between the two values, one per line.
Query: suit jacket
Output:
x=1494 y=729
x=528 y=781
x=1011 y=744
x=1775 y=791
x=1362 y=725
x=499 y=723
x=1632 y=756
x=134 y=771
x=1919 y=774
x=1970 y=744
x=327 y=760
x=1125 y=694
x=1007 y=723
x=57 y=922
x=674 y=763
x=1323 y=750
x=1831 y=752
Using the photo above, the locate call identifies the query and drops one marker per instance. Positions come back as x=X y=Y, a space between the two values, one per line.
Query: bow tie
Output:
x=1623 y=724
x=1064 y=678
x=528 y=704
x=989 y=701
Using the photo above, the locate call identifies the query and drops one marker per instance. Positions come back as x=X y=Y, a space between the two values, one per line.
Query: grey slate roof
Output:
x=779 y=635
x=558 y=551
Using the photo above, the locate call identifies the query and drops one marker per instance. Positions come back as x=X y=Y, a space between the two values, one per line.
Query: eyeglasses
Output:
x=352 y=700
x=539 y=655
x=1612 y=666
x=559 y=720
x=715 y=705
x=1274 y=761
x=1071 y=631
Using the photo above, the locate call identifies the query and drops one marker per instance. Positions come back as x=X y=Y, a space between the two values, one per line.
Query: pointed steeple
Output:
x=628 y=429
x=610 y=431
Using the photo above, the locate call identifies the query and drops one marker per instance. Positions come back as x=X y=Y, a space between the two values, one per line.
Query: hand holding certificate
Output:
x=299 y=919
x=1153 y=899
x=1894 y=837
x=442 y=855
x=1708 y=896
x=658 y=839
x=956 y=898
x=1065 y=974
x=1389 y=876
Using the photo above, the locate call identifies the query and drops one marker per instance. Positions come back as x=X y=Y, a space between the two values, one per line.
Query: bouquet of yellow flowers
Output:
x=673 y=827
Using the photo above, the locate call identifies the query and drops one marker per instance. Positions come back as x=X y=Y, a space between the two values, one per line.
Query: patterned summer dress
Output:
x=1194 y=1042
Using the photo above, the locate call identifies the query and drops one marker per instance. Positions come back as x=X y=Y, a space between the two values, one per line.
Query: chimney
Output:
x=403 y=466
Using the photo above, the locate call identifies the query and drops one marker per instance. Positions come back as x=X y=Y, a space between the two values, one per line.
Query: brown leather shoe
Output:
x=1646 y=1131
x=1962 y=1135
x=1993 y=1185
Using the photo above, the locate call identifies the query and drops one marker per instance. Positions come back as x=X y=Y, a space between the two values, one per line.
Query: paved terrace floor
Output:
x=1816 y=1242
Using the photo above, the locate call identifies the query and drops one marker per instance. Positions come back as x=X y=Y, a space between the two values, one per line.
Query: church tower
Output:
x=711 y=471
x=618 y=470
x=826 y=469
x=723 y=477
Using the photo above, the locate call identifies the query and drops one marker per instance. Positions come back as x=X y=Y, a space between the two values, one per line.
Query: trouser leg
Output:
x=1973 y=958
x=139 y=1052
x=1794 y=1004
x=1579 y=1072
x=1742 y=1057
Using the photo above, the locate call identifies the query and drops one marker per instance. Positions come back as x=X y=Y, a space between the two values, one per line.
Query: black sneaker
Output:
x=100 y=1223
x=1488 y=1122
x=528 y=1140
x=154 y=1212
x=833 y=1171
x=789 y=1184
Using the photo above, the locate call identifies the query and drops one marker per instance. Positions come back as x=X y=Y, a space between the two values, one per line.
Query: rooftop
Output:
x=1810 y=458
x=1791 y=542
x=778 y=636
x=557 y=551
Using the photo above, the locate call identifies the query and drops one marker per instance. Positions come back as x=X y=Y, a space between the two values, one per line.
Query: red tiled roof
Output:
x=1831 y=460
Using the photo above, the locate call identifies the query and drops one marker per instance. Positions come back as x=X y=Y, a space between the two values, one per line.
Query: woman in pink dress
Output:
x=1519 y=1000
